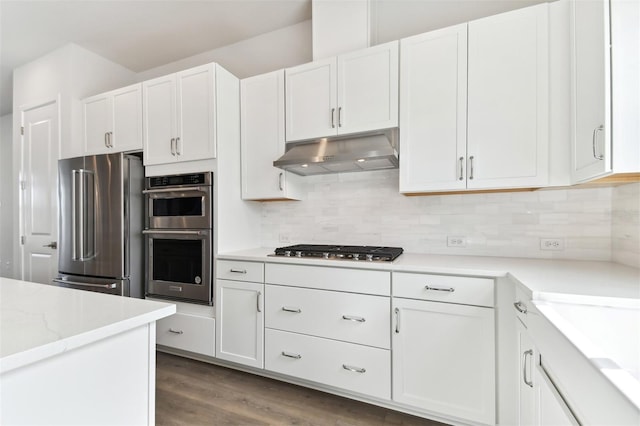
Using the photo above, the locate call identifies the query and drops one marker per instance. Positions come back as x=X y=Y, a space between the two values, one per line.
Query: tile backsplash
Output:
x=366 y=208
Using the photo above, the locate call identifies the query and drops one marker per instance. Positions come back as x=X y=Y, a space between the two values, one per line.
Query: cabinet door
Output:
x=262 y=138
x=592 y=97
x=127 y=119
x=526 y=392
x=551 y=407
x=311 y=105
x=97 y=121
x=508 y=109
x=159 y=116
x=240 y=322
x=368 y=89
x=433 y=110
x=444 y=359
x=196 y=113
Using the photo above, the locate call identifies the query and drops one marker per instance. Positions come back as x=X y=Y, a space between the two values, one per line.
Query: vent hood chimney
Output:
x=365 y=151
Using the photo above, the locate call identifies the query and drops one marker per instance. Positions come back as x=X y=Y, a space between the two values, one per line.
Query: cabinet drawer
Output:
x=356 y=318
x=324 y=278
x=444 y=288
x=187 y=332
x=329 y=362
x=238 y=270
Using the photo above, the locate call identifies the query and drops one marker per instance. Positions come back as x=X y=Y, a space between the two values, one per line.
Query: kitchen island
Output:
x=76 y=357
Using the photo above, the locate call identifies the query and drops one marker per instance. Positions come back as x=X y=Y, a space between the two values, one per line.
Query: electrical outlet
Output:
x=552 y=244
x=456 y=241
x=284 y=238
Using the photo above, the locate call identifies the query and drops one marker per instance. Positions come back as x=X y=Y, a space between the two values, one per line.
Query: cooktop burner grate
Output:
x=366 y=253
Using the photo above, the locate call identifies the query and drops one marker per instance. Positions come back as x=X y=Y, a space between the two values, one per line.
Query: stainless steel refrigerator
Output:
x=101 y=222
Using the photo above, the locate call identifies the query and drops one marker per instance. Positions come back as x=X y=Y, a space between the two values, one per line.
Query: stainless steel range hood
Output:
x=352 y=153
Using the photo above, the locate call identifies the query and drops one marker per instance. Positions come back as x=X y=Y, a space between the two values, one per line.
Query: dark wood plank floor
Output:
x=190 y=392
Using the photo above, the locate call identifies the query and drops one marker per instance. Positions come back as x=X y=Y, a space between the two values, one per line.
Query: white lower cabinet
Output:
x=444 y=359
x=526 y=392
x=348 y=366
x=240 y=322
x=187 y=332
x=550 y=406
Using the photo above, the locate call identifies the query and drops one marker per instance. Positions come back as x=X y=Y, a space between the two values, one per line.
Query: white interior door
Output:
x=39 y=206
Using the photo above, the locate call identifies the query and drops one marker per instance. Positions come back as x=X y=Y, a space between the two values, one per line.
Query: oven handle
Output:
x=112 y=285
x=173 y=232
x=180 y=190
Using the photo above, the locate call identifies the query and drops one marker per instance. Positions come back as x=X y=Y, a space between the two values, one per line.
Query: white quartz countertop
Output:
x=38 y=321
x=540 y=277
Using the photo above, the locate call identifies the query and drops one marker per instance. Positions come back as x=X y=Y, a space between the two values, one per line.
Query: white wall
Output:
x=268 y=52
x=366 y=208
x=6 y=197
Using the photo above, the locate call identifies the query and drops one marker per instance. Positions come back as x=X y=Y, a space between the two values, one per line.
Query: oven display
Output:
x=183 y=206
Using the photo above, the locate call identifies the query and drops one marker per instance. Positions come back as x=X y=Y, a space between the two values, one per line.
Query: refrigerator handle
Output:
x=75 y=228
x=88 y=216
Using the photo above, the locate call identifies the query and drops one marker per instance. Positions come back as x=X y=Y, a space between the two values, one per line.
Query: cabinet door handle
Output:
x=340 y=117
x=449 y=289
x=173 y=146
x=171 y=330
x=294 y=310
x=524 y=367
x=461 y=176
x=110 y=139
x=471 y=167
x=258 y=305
x=352 y=318
x=520 y=307
x=106 y=139
x=291 y=355
x=178 y=147
x=354 y=369
x=333 y=118
x=238 y=271
x=397 y=312
x=280 y=181
x=593 y=142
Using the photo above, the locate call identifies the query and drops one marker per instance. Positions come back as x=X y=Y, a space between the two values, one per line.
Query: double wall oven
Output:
x=178 y=237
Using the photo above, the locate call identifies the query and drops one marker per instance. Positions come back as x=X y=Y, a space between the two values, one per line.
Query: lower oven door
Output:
x=178 y=264
x=118 y=287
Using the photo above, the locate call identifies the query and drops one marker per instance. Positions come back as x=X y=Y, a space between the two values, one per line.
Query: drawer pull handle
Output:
x=294 y=310
x=171 y=330
x=354 y=369
x=290 y=355
x=238 y=271
x=397 y=312
x=449 y=289
x=352 y=318
x=520 y=307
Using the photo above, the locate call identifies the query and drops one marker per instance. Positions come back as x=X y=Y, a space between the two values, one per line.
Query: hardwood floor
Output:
x=191 y=392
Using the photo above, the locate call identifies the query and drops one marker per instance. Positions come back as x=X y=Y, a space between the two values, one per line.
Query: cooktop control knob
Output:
x=298 y=254
x=356 y=256
x=287 y=253
x=325 y=255
x=369 y=257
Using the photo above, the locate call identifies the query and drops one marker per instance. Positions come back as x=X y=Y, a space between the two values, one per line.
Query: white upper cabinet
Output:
x=433 y=110
x=355 y=92
x=474 y=105
x=262 y=139
x=113 y=121
x=179 y=116
x=606 y=70
x=508 y=107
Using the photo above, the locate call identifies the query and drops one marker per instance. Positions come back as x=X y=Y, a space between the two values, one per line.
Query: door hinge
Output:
x=22 y=130
x=22 y=239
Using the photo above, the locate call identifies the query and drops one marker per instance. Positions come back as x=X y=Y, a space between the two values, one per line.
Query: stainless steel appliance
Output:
x=334 y=252
x=178 y=237
x=101 y=220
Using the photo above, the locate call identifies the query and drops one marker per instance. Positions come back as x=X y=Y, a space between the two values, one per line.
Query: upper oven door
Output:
x=179 y=208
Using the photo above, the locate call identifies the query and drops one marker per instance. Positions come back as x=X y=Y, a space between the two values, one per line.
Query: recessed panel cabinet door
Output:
x=592 y=96
x=159 y=100
x=98 y=116
x=195 y=113
x=127 y=119
x=508 y=135
x=444 y=358
x=433 y=110
x=368 y=89
x=311 y=106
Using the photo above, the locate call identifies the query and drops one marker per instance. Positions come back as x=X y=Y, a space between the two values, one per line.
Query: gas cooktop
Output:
x=366 y=253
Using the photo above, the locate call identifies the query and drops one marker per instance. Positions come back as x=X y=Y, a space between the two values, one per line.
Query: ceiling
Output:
x=144 y=34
